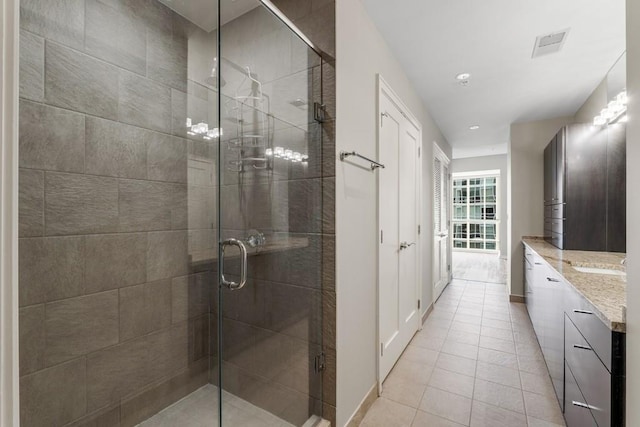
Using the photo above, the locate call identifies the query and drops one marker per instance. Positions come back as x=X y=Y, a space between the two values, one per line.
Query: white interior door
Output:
x=399 y=315
x=440 y=224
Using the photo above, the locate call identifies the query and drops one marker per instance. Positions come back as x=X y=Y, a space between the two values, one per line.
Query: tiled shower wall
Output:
x=114 y=199
x=113 y=324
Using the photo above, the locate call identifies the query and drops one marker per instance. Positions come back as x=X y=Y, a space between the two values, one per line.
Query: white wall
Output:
x=484 y=163
x=361 y=54
x=526 y=188
x=9 y=396
x=633 y=212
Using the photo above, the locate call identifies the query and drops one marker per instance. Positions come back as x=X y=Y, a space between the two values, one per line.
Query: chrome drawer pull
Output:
x=582 y=311
x=582 y=347
x=584 y=405
x=551 y=279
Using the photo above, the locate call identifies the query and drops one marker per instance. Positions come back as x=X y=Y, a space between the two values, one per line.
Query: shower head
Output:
x=212 y=80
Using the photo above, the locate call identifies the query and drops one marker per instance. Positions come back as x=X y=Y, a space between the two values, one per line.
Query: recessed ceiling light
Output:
x=463 y=76
x=474 y=127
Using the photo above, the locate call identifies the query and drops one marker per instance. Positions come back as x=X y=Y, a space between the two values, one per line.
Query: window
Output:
x=475 y=210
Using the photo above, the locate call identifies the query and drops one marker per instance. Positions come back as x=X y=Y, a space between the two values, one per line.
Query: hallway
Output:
x=475 y=363
x=479 y=267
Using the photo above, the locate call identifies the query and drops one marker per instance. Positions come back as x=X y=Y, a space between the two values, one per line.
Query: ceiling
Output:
x=204 y=13
x=435 y=40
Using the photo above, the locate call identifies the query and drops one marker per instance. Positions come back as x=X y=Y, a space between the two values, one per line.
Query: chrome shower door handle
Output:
x=243 y=264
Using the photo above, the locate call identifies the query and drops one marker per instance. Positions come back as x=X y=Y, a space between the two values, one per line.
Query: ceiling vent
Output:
x=549 y=43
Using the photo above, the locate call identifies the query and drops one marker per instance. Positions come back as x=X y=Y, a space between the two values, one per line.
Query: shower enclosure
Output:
x=171 y=215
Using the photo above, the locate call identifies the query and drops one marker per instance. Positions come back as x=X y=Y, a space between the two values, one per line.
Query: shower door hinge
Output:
x=418 y=304
x=318 y=112
x=381 y=349
x=319 y=363
x=381 y=236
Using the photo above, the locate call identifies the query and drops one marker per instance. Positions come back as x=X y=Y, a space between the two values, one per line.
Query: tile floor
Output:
x=475 y=363
x=480 y=267
x=200 y=409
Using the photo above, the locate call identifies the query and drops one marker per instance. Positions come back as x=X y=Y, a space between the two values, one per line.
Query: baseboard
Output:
x=427 y=313
x=516 y=298
x=364 y=406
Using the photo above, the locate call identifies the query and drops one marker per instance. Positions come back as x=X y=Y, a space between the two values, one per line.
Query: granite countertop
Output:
x=607 y=293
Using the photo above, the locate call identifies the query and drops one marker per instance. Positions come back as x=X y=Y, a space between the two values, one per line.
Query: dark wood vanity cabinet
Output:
x=585 y=358
x=584 y=188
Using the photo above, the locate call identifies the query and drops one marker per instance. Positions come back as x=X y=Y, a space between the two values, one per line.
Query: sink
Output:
x=593 y=270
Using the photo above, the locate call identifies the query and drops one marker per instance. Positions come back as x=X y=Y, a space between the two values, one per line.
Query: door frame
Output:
x=385 y=90
x=439 y=154
x=9 y=90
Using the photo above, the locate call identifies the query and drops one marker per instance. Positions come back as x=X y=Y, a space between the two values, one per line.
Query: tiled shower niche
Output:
x=119 y=216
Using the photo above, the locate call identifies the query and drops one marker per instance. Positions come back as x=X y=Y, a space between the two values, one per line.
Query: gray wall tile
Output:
x=149 y=206
x=167 y=58
x=54 y=396
x=115 y=36
x=166 y=157
x=32 y=339
x=62 y=20
x=31 y=66
x=31 y=203
x=329 y=205
x=124 y=369
x=51 y=138
x=115 y=149
x=114 y=261
x=297 y=206
x=50 y=269
x=144 y=308
x=167 y=254
x=80 y=204
x=190 y=296
x=144 y=103
x=79 y=82
x=77 y=326
x=246 y=207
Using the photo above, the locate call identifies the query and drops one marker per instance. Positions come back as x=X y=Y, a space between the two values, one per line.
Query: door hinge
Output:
x=381 y=236
x=318 y=112
x=381 y=349
x=418 y=304
x=319 y=363
x=419 y=229
x=448 y=267
x=419 y=151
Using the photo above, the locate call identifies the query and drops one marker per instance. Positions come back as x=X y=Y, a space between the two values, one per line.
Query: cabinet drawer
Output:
x=576 y=412
x=597 y=334
x=591 y=376
x=554 y=225
x=554 y=211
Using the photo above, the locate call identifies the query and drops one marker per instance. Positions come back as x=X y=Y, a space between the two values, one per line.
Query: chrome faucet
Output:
x=256 y=239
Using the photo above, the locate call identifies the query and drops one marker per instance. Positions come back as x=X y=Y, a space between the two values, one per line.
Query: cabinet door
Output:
x=548 y=174
x=559 y=142
x=616 y=188
x=586 y=188
x=553 y=327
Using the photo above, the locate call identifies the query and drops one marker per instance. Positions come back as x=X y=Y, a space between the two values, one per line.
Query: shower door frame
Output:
x=9 y=54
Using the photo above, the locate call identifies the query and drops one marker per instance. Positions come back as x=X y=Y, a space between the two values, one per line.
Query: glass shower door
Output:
x=270 y=196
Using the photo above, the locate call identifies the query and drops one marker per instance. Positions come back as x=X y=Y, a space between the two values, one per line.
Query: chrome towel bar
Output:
x=374 y=165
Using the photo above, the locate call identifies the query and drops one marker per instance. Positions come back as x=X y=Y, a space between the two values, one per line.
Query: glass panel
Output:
x=123 y=147
x=271 y=198
x=461 y=244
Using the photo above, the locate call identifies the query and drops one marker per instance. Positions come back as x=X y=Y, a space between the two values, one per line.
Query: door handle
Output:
x=243 y=264
x=405 y=245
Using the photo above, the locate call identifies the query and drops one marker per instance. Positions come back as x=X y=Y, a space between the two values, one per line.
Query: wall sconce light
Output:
x=613 y=111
